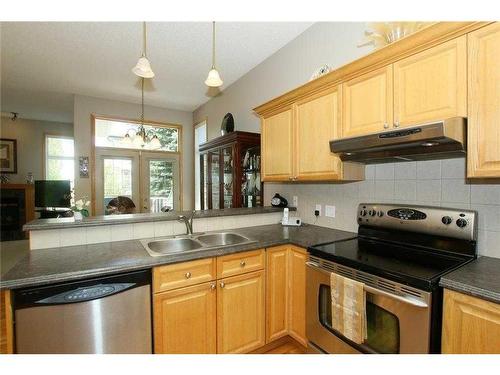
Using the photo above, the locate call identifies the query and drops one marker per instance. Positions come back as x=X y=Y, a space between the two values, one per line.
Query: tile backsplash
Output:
x=432 y=183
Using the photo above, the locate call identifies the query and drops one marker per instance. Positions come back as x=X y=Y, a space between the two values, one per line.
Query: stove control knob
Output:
x=372 y=212
x=446 y=220
x=461 y=223
x=363 y=213
x=380 y=213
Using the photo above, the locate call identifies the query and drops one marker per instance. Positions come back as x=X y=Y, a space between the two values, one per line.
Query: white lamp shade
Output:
x=143 y=68
x=138 y=141
x=127 y=141
x=155 y=143
x=213 y=79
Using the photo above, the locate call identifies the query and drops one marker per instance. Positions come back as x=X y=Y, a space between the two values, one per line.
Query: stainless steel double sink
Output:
x=194 y=242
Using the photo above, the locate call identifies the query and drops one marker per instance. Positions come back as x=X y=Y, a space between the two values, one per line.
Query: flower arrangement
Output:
x=80 y=208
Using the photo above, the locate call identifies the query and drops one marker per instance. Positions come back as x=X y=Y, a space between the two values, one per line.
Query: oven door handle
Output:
x=411 y=301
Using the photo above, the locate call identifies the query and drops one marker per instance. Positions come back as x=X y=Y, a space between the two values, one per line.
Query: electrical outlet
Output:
x=318 y=209
x=295 y=201
x=330 y=211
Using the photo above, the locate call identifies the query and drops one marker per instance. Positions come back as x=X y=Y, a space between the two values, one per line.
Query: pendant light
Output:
x=213 y=79
x=143 y=67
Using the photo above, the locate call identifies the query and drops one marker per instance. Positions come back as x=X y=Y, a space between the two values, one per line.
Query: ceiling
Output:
x=44 y=63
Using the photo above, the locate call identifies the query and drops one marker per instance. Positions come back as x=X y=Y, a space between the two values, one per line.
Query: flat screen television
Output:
x=53 y=193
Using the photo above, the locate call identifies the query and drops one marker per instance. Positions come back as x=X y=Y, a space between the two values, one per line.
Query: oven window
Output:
x=383 y=326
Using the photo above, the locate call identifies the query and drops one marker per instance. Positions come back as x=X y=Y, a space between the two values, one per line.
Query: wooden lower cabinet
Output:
x=286 y=293
x=185 y=320
x=277 y=292
x=297 y=296
x=470 y=325
x=6 y=323
x=241 y=313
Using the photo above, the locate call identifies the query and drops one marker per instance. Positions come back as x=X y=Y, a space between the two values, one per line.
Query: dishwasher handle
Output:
x=84 y=294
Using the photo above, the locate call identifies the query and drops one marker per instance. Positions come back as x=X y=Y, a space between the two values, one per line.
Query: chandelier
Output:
x=142 y=138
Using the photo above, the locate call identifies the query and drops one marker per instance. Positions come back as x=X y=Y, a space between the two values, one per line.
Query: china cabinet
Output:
x=230 y=171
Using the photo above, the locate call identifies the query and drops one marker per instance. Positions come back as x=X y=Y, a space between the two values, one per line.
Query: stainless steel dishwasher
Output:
x=102 y=315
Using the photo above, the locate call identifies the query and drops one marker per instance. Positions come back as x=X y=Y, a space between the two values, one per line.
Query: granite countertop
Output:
x=92 y=221
x=45 y=266
x=479 y=278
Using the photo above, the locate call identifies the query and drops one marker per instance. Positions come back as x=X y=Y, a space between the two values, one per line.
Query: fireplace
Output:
x=16 y=208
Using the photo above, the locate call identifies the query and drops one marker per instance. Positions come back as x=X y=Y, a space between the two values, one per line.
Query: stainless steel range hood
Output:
x=436 y=140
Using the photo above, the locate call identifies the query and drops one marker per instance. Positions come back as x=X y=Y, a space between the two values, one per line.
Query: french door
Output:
x=150 y=179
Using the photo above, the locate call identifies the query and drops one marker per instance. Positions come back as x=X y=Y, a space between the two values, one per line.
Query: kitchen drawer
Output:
x=237 y=264
x=178 y=275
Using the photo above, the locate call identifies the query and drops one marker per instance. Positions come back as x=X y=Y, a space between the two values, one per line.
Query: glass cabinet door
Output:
x=228 y=167
x=215 y=180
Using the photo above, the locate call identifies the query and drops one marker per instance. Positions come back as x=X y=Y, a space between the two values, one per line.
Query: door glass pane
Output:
x=383 y=326
x=117 y=179
x=161 y=185
x=227 y=154
x=214 y=172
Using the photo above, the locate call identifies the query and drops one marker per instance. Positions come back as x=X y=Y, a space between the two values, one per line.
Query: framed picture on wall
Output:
x=8 y=155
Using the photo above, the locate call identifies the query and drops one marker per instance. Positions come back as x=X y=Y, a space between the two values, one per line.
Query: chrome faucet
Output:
x=188 y=220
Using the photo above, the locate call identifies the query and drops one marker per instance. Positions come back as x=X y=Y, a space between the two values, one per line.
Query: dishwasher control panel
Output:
x=86 y=293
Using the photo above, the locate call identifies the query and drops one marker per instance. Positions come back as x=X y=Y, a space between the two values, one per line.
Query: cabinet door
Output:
x=241 y=313
x=317 y=122
x=367 y=103
x=277 y=292
x=277 y=147
x=185 y=320
x=470 y=325
x=483 y=127
x=431 y=85
x=297 y=297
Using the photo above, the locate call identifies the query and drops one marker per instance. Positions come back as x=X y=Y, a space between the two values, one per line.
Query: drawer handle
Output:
x=242 y=263
x=213 y=286
x=222 y=284
x=188 y=275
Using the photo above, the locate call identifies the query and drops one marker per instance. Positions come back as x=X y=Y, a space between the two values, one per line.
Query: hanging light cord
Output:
x=142 y=101
x=144 y=38
x=213 y=45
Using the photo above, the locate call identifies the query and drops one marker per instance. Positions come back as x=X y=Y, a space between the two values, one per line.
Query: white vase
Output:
x=78 y=216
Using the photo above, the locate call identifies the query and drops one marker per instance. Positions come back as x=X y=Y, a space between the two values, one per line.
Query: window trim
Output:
x=196 y=125
x=47 y=157
x=179 y=153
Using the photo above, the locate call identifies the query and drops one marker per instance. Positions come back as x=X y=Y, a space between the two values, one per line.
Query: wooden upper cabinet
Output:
x=185 y=320
x=367 y=103
x=470 y=325
x=317 y=122
x=431 y=85
x=483 y=126
x=241 y=313
x=277 y=146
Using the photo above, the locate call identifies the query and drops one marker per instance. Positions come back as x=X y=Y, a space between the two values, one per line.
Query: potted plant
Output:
x=80 y=209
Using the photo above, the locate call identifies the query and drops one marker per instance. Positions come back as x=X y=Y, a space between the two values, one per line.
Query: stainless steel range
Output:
x=400 y=254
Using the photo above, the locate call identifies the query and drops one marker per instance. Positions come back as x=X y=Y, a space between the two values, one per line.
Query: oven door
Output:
x=395 y=323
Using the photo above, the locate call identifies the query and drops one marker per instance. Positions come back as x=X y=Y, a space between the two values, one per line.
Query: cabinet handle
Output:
x=396 y=124
x=222 y=284
x=386 y=125
x=213 y=286
x=188 y=275
x=290 y=178
x=242 y=263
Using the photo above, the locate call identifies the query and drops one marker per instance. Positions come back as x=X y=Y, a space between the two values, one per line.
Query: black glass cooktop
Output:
x=406 y=264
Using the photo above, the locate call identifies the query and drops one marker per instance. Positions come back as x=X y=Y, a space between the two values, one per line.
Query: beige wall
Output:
x=332 y=43
x=30 y=136
x=436 y=183
x=85 y=106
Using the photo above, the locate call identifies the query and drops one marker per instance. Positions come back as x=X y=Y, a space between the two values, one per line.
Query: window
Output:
x=110 y=133
x=200 y=136
x=59 y=158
